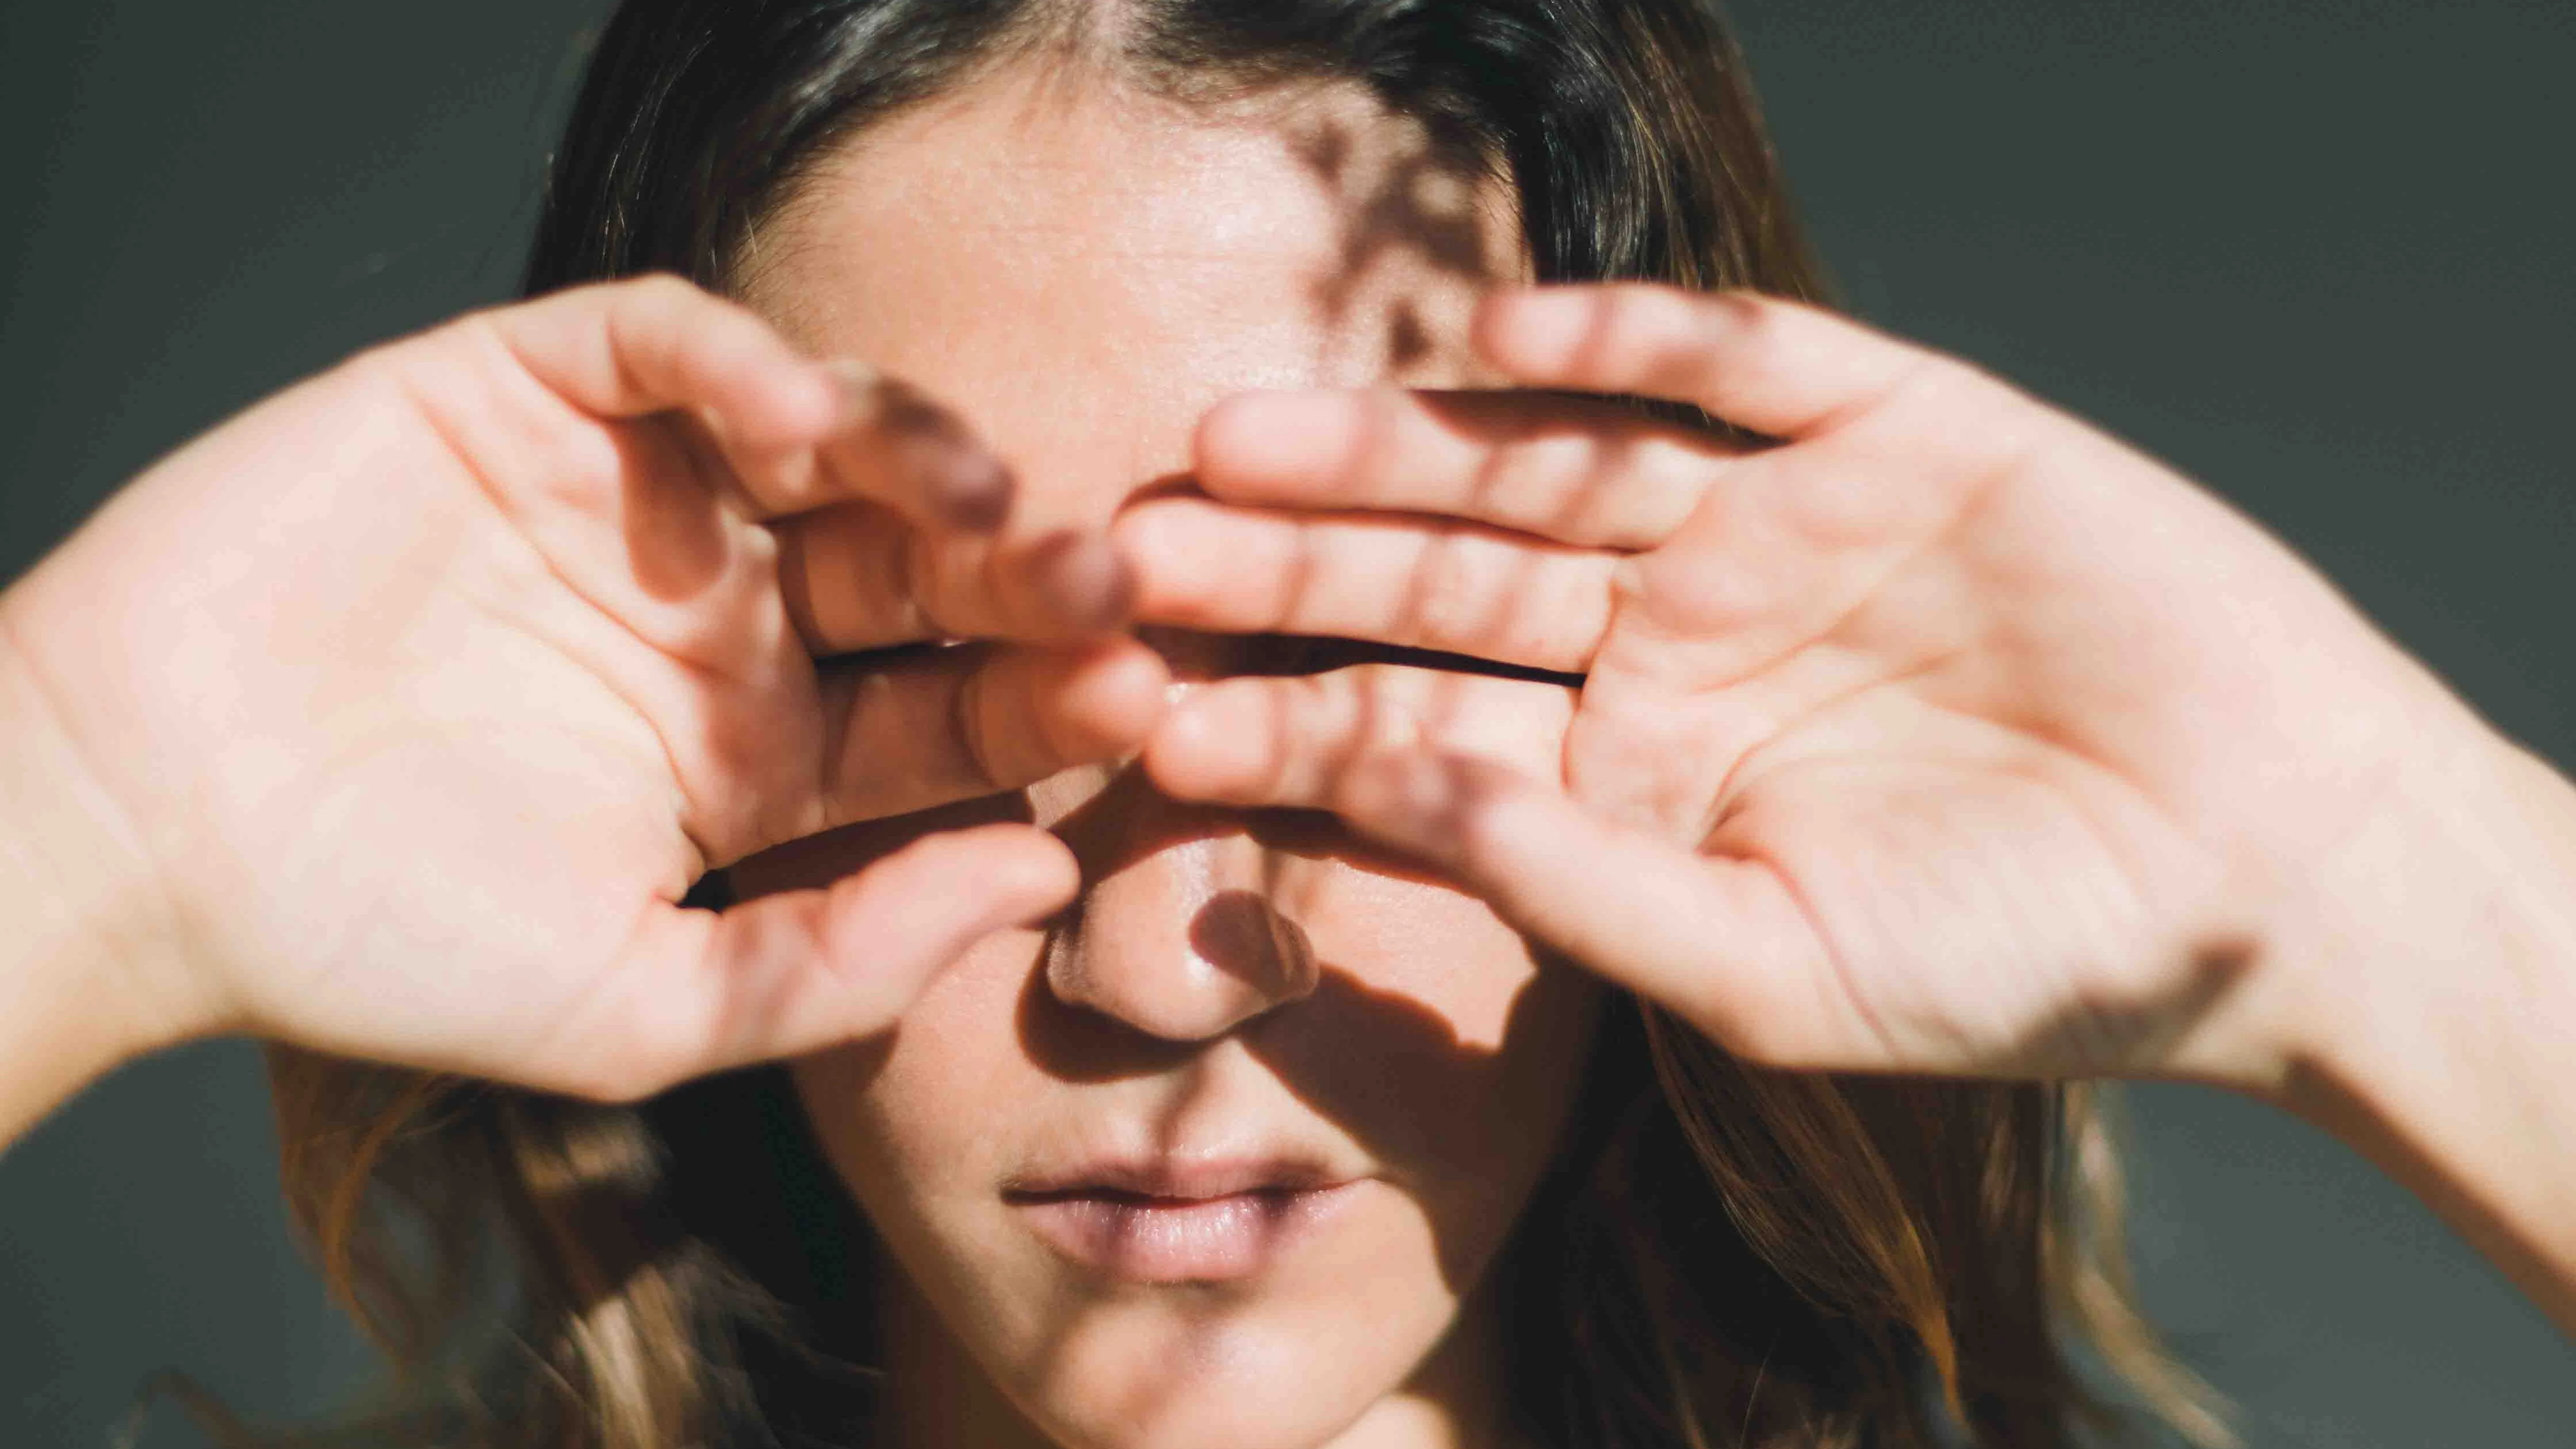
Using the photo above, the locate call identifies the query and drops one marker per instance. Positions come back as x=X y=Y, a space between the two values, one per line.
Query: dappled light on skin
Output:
x=1413 y=197
x=1131 y=1099
x=1229 y=982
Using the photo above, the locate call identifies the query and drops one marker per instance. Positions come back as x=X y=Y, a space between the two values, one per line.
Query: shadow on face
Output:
x=1375 y=1062
x=1081 y=271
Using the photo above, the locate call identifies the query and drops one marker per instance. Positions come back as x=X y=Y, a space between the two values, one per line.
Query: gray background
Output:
x=2314 y=253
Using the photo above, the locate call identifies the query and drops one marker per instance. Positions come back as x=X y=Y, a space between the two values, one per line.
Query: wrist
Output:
x=88 y=956
x=2443 y=1003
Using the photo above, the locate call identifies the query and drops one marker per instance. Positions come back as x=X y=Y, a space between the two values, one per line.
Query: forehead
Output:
x=1083 y=268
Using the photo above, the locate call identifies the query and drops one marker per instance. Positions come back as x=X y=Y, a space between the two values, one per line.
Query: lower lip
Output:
x=1179 y=1240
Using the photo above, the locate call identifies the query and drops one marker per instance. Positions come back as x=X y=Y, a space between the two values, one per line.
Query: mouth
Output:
x=1171 y=1223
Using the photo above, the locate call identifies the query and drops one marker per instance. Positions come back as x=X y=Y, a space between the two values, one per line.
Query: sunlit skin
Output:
x=1939 y=733
x=1083 y=271
x=1840 y=689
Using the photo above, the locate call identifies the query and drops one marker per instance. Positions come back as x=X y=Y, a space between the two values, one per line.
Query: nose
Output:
x=1177 y=935
x=1181 y=946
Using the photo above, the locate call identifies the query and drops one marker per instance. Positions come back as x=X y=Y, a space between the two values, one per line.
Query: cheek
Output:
x=1433 y=1043
x=1434 y=1037
x=1437 y=1038
x=923 y=1126
x=913 y=1114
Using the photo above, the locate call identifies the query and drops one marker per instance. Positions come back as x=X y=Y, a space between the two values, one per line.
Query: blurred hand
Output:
x=417 y=696
x=1941 y=733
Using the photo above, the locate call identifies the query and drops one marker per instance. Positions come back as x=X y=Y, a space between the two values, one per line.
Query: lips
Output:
x=1174 y=1222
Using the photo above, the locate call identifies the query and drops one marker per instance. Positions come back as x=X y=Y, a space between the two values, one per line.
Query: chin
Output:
x=1285 y=1349
x=1180 y=1374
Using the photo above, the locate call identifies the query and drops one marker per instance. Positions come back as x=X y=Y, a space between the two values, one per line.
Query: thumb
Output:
x=1721 y=941
x=791 y=973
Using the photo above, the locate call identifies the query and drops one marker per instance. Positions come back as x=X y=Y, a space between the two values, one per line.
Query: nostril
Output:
x=1239 y=933
x=1179 y=978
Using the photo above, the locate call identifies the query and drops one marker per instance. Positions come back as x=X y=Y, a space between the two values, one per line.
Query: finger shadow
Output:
x=1385 y=1068
x=814 y=862
x=1417 y=202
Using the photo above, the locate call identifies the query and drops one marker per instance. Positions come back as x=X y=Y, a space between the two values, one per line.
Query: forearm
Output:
x=2451 y=1059
x=77 y=924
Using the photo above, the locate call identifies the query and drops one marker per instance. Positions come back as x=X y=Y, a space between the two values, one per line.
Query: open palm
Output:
x=424 y=691
x=1936 y=732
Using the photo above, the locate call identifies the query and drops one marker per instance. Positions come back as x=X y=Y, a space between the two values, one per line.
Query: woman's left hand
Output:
x=1942 y=734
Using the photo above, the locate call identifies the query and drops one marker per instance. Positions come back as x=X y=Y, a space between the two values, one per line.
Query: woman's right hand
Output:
x=406 y=706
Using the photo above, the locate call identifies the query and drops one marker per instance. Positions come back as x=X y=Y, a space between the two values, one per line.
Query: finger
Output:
x=861 y=576
x=1286 y=741
x=954 y=723
x=1583 y=471
x=652 y=344
x=901 y=447
x=796 y=972
x=1721 y=941
x=846 y=576
x=889 y=443
x=1764 y=363
x=1422 y=583
x=792 y=434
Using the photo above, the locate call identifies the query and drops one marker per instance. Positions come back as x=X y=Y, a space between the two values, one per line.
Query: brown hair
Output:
x=1723 y=1255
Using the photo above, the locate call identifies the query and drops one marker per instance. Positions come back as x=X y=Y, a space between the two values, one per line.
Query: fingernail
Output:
x=855 y=379
x=1191 y=723
x=1085 y=580
x=960 y=477
x=971 y=487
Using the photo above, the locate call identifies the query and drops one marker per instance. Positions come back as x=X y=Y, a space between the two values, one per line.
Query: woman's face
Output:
x=1217 y=1159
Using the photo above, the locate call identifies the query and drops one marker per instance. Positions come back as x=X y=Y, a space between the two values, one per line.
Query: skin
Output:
x=1941 y=734
x=1085 y=271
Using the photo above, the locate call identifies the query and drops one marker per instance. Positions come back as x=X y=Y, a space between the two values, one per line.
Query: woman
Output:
x=1286 y=1082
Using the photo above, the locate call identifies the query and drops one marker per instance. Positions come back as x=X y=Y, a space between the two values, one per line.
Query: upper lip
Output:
x=1179 y=1179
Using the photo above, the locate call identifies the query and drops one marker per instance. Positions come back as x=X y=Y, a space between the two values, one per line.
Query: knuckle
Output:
x=1747 y=322
x=390 y=368
x=1300 y=736
x=1539 y=478
x=1562 y=609
x=974 y=725
x=1962 y=426
x=662 y=289
x=925 y=588
x=1658 y=320
x=1385 y=709
x=518 y=436
x=1711 y=601
x=1451 y=598
x=475 y=339
x=1379 y=445
x=1296 y=568
x=1333 y=705
x=790 y=570
x=1938 y=383
x=1670 y=478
